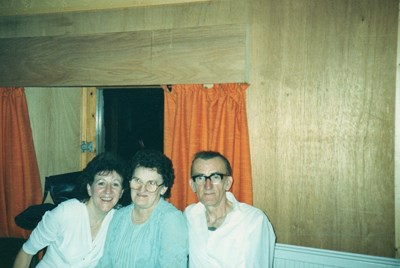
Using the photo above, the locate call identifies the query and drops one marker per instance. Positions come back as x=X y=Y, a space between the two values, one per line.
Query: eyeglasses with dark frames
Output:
x=215 y=178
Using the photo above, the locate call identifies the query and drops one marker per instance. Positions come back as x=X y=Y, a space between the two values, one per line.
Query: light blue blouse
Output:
x=162 y=241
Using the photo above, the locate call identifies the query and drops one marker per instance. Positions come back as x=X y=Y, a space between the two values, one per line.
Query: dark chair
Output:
x=9 y=248
x=60 y=187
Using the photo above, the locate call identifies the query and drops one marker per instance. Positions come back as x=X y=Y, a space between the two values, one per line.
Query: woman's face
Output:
x=105 y=190
x=141 y=197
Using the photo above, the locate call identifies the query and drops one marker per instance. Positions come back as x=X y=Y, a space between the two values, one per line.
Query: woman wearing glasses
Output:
x=150 y=232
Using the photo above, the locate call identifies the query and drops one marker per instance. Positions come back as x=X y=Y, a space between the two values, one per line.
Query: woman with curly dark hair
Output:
x=74 y=232
x=150 y=232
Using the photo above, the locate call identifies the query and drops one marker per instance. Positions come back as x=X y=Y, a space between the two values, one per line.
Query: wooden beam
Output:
x=397 y=152
x=207 y=54
x=35 y=7
x=88 y=123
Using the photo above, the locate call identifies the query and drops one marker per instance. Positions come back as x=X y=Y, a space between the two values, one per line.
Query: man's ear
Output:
x=191 y=182
x=228 y=183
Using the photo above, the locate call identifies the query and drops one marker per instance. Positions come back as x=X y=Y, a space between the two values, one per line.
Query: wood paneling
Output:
x=29 y=7
x=189 y=55
x=126 y=20
x=321 y=109
x=397 y=148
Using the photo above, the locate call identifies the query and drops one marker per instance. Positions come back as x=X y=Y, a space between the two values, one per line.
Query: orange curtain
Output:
x=20 y=184
x=199 y=118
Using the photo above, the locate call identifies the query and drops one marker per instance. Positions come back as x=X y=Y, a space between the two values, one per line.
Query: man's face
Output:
x=210 y=194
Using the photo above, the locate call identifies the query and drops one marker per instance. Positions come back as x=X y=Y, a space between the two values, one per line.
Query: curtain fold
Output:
x=199 y=118
x=20 y=184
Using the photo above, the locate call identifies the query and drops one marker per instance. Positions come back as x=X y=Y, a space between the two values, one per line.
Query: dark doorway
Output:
x=133 y=119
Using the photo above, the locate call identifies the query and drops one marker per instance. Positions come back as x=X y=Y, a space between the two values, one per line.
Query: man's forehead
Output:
x=215 y=162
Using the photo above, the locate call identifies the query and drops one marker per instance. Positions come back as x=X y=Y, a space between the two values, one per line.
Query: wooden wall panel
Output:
x=29 y=7
x=189 y=55
x=321 y=109
x=55 y=121
x=126 y=20
x=397 y=147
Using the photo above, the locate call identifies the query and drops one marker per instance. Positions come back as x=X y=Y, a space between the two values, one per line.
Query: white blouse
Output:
x=65 y=231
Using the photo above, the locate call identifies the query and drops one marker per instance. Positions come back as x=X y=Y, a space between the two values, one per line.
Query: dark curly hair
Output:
x=150 y=158
x=102 y=163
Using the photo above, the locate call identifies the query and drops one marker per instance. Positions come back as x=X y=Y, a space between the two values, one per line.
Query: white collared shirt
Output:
x=246 y=238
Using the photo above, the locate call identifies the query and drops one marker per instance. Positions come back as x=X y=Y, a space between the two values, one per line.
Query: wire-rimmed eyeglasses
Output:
x=150 y=186
x=215 y=178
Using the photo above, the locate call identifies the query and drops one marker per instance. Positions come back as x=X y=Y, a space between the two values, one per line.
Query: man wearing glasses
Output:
x=222 y=231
